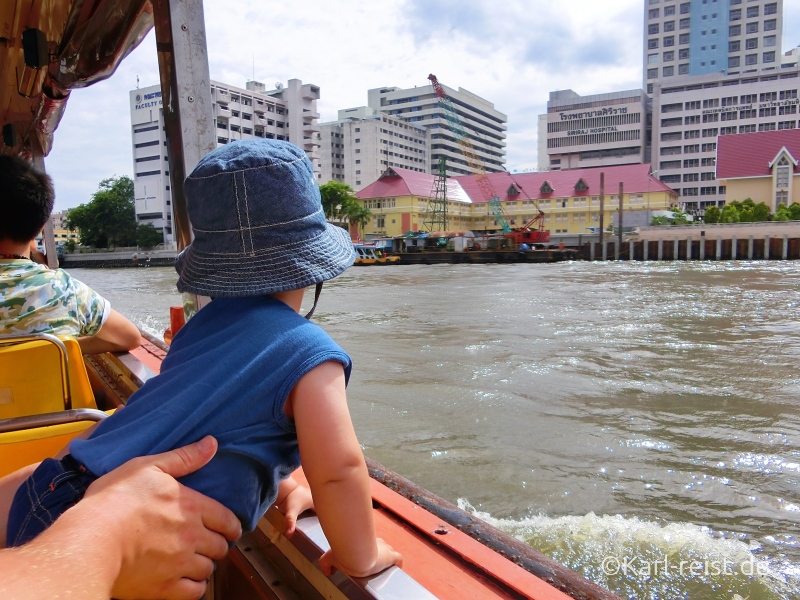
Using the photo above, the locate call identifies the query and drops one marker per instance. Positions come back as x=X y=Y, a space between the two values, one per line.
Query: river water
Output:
x=638 y=422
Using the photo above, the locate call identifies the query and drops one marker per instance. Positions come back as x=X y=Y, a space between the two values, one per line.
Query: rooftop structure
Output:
x=484 y=125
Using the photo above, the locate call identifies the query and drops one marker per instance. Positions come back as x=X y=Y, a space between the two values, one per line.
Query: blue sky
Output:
x=513 y=53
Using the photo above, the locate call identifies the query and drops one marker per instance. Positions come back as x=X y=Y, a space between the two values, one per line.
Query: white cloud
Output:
x=512 y=53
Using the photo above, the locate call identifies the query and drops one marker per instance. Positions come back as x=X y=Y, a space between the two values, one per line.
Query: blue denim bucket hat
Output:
x=258 y=223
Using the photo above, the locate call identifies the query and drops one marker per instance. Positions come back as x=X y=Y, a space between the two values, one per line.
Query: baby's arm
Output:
x=336 y=471
x=294 y=498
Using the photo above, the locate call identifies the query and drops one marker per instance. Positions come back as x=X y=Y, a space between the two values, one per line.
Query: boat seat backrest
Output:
x=42 y=373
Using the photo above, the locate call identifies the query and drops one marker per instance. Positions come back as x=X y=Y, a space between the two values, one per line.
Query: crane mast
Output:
x=468 y=150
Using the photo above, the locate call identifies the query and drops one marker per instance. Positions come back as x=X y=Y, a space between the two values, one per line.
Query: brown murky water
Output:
x=640 y=422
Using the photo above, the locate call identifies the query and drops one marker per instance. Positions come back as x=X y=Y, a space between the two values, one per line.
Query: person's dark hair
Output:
x=26 y=199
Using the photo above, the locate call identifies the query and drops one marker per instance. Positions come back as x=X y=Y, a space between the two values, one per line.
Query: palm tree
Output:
x=358 y=216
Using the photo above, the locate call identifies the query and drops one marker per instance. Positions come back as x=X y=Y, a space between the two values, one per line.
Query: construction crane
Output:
x=436 y=214
x=519 y=235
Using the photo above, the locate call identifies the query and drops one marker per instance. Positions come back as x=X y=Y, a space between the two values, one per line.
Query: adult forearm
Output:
x=75 y=558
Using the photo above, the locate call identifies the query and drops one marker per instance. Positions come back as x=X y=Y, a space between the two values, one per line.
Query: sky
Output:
x=512 y=53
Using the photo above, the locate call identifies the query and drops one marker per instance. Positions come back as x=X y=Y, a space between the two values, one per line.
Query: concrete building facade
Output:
x=363 y=143
x=691 y=114
x=285 y=113
x=485 y=125
x=694 y=37
x=597 y=130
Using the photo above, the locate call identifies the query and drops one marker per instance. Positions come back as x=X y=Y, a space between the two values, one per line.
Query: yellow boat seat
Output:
x=42 y=373
x=31 y=439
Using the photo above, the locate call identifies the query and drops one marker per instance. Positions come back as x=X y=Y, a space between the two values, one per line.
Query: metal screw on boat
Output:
x=184 y=28
x=441 y=530
x=190 y=98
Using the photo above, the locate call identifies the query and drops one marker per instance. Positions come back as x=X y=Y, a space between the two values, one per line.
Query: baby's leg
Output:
x=8 y=487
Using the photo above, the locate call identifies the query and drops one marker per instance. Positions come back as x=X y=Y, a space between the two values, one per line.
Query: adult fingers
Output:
x=185 y=589
x=326 y=563
x=216 y=517
x=185 y=460
x=212 y=544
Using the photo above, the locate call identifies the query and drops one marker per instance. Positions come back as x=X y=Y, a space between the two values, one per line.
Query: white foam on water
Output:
x=636 y=558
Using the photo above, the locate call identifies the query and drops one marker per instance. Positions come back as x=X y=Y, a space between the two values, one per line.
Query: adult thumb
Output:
x=187 y=459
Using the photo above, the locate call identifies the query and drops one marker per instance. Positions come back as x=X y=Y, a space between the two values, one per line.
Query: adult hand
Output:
x=169 y=535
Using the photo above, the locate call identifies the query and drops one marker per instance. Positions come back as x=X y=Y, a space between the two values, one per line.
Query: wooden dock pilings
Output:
x=749 y=248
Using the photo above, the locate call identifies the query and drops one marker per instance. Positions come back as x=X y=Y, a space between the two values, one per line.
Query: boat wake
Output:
x=635 y=558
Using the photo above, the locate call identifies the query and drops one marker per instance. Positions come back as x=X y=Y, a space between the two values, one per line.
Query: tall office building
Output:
x=363 y=143
x=701 y=37
x=485 y=125
x=285 y=113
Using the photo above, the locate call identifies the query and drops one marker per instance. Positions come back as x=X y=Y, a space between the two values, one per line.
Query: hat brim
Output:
x=292 y=266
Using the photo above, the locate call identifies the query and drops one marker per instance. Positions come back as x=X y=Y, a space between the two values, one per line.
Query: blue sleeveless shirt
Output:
x=228 y=374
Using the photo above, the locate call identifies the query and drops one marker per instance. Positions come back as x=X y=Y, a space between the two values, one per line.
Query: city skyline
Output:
x=513 y=58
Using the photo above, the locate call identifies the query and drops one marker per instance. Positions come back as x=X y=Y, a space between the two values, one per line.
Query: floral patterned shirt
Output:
x=36 y=299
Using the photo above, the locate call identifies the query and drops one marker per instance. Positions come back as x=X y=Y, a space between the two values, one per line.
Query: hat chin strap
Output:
x=317 y=292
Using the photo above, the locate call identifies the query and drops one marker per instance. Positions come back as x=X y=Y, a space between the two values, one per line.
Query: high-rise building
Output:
x=701 y=37
x=285 y=113
x=598 y=130
x=485 y=125
x=363 y=143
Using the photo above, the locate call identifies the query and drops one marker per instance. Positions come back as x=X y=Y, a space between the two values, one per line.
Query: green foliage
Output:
x=783 y=213
x=761 y=212
x=659 y=220
x=712 y=215
x=337 y=199
x=358 y=215
x=794 y=209
x=109 y=218
x=730 y=213
x=148 y=236
x=70 y=245
x=679 y=217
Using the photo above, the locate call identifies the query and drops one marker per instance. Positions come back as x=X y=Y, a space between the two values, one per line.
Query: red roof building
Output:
x=569 y=199
x=761 y=166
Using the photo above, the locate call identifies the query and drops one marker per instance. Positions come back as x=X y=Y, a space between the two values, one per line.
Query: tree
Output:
x=679 y=217
x=729 y=214
x=761 y=212
x=358 y=216
x=148 y=236
x=712 y=215
x=337 y=197
x=109 y=218
x=783 y=213
x=794 y=210
x=659 y=220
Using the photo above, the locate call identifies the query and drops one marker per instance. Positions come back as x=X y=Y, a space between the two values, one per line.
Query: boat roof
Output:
x=395 y=181
x=50 y=48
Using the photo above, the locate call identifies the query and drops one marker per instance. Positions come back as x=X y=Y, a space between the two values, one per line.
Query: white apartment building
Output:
x=598 y=130
x=693 y=37
x=485 y=125
x=285 y=113
x=363 y=143
x=690 y=113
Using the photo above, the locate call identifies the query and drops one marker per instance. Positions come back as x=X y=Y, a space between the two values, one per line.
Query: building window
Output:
x=710 y=147
x=652 y=73
x=733 y=62
x=691 y=163
x=669 y=26
x=711 y=118
x=712 y=132
x=770 y=25
x=735 y=14
x=652 y=29
x=734 y=46
x=709 y=162
x=751 y=59
x=668 y=71
x=683 y=69
x=747 y=128
x=358 y=129
x=752 y=12
x=669 y=41
x=686 y=8
x=766 y=126
x=750 y=113
x=690 y=177
x=652 y=14
x=684 y=23
x=787 y=124
x=669 y=56
x=751 y=43
x=768 y=57
x=708 y=191
x=734 y=30
x=691 y=134
x=752 y=27
x=652 y=59
x=727 y=130
x=788 y=94
x=652 y=44
x=684 y=38
x=692 y=105
x=689 y=191
x=669 y=11
x=730 y=101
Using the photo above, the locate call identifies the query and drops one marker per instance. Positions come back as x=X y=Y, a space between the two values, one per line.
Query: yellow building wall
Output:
x=758 y=189
x=562 y=215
